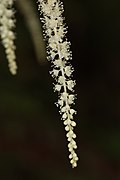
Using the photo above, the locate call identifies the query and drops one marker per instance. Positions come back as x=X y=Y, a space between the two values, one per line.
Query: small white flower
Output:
x=72 y=111
x=68 y=71
x=58 y=63
x=67 y=128
x=73 y=143
x=71 y=99
x=64 y=116
x=55 y=72
x=53 y=45
x=67 y=122
x=57 y=87
x=74 y=164
x=63 y=109
x=74 y=136
x=61 y=79
x=70 y=145
x=70 y=156
x=73 y=123
x=64 y=96
x=70 y=84
x=60 y=102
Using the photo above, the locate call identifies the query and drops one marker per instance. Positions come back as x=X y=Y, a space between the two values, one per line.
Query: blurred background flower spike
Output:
x=7 y=23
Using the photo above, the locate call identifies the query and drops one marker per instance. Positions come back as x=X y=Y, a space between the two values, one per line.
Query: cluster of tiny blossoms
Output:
x=7 y=24
x=58 y=49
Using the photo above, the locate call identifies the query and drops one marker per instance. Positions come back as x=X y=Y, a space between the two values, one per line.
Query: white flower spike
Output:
x=7 y=24
x=59 y=54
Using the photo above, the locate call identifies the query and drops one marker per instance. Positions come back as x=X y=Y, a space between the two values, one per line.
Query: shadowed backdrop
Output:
x=32 y=136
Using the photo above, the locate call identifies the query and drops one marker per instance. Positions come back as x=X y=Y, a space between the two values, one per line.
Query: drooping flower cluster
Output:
x=59 y=54
x=7 y=24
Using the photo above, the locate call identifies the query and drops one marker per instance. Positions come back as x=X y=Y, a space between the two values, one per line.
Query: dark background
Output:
x=32 y=137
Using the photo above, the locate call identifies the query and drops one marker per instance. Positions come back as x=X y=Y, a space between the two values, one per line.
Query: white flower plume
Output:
x=58 y=50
